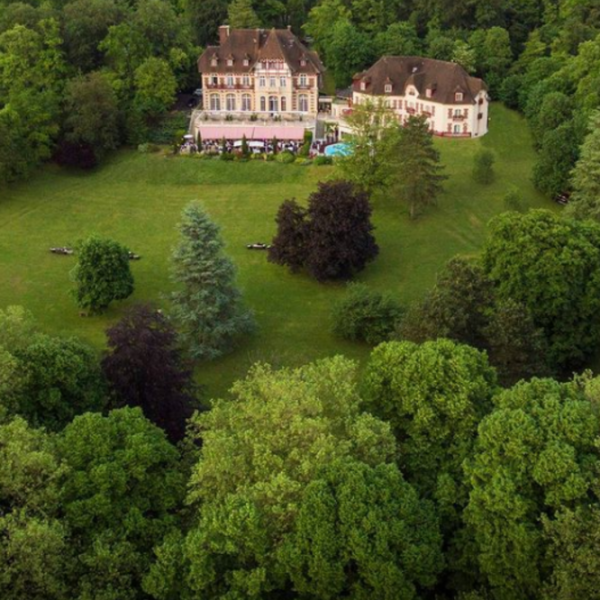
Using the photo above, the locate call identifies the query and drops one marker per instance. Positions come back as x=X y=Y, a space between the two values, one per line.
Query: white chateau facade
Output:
x=454 y=103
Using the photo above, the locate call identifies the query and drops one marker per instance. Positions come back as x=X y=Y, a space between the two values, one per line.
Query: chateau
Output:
x=267 y=76
x=454 y=103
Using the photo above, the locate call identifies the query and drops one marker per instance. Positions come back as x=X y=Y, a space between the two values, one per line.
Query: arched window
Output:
x=263 y=104
x=273 y=104
x=215 y=102
x=303 y=103
x=283 y=104
x=230 y=102
x=246 y=102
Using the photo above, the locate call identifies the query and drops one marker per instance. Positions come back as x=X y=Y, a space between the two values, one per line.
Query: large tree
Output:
x=339 y=238
x=144 y=367
x=535 y=455
x=119 y=497
x=550 y=266
x=418 y=172
x=261 y=448
x=102 y=274
x=289 y=244
x=207 y=306
x=241 y=15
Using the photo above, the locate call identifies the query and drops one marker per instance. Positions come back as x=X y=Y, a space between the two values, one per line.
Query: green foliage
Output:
x=119 y=496
x=155 y=85
x=365 y=315
x=585 y=201
x=348 y=51
x=102 y=274
x=261 y=448
x=513 y=201
x=535 y=454
x=399 y=39
x=286 y=157
x=207 y=306
x=483 y=167
x=549 y=265
x=322 y=161
x=241 y=15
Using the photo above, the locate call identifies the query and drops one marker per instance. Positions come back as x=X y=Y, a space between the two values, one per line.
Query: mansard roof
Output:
x=443 y=79
x=255 y=45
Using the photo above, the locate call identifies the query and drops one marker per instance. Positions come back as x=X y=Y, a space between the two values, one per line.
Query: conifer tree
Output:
x=207 y=306
x=242 y=15
x=418 y=169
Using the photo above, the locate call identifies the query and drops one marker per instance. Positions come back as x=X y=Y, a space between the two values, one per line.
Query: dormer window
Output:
x=303 y=63
x=458 y=97
x=214 y=61
x=388 y=88
x=230 y=62
x=428 y=93
x=363 y=85
x=246 y=62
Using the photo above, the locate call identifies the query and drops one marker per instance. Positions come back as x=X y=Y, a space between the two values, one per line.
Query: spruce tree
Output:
x=208 y=306
x=242 y=16
x=418 y=169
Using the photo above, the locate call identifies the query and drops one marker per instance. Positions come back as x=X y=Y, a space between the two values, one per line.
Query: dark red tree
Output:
x=144 y=367
x=339 y=238
x=76 y=154
x=289 y=245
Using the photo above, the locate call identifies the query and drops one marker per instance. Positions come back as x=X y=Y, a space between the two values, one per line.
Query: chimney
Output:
x=223 y=34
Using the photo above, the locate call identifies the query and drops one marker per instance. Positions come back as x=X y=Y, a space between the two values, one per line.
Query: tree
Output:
x=321 y=19
x=585 y=201
x=369 y=163
x=464 y=56
x=59 y=378
x=549 y=265
x=362 y=529
x=365 y=315
x=417 y=166
x=513 y=201
x=535 y=455
x=102 y=274
x=498 y=57
x=205 y=17
x=556 y=158
x=261 y=448
x=516 y=347
x=208 y=306
x=119 y=498
x=241 y=15
x=155 y=85
x=456 y=308
x=288 y=247
x=92 y=113
x=348 y=51
x=483 y=167
x=556 y=108
x=339 y=239
x=144 y=368
x=34 y=553
x=399 y=39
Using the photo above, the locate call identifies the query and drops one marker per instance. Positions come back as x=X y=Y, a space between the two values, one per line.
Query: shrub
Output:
x=167 y=129
x=286 y=157
x=303 y=162
x=365 y=315
x=148 y=148
x=226 y=156
x=321 y=161
x=269 y=157
x=483 y=167
x=513 y=201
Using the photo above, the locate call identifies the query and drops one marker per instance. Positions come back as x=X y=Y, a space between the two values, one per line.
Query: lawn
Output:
x=137 y=199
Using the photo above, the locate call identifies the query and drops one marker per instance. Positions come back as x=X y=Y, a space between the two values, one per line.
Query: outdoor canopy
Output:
x=259 y=132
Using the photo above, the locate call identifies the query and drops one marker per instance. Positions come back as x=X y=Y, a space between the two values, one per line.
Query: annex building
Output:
x=454 y=103
x=258 y=83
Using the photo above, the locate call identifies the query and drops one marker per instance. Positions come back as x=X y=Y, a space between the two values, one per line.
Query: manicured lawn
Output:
x=136 y=199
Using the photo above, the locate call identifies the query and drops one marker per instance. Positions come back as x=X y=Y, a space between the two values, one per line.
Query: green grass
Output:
x=137 y=199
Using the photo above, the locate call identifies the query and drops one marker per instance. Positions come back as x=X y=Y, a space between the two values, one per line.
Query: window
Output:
x=214 y=80
x=214 y=62
x=263 y=104
x=262 y=82
x=272 y=82
x=428 y=93
x=246 y=62
x=283 y=104
x=273 y=104
x=246 y=102
x=215 y=102
x=230 y=62
x=303 y=103
x=230 y=102
x=457 y=112
x=458 y=97
x=457 y=129
x=363 y=86
x=282 y=81
x=303 y=80
x=230 y=81
x=388 y=88
x=246 y=80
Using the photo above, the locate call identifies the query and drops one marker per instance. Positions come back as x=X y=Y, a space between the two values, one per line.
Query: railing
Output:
x=459 y=117
x=225 y=86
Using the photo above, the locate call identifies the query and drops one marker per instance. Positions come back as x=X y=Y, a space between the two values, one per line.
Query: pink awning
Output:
x=259 y=132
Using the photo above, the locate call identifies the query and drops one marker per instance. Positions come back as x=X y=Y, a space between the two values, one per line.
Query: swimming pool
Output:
x=338 y=150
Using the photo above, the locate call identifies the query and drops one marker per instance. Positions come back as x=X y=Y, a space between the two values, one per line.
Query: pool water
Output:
x=340 y=149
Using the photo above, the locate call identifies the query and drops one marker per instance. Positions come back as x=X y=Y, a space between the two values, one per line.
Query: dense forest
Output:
x=461 y=462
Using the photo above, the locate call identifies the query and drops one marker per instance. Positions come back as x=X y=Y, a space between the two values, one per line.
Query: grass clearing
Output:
x=137 y=198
